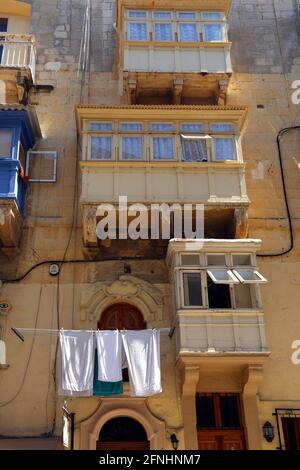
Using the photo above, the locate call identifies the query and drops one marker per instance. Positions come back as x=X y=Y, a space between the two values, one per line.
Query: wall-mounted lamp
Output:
x=268 y=431
x=174 y=441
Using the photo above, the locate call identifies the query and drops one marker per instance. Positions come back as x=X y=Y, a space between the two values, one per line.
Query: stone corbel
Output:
x=11 y=224
x=188 y=400
x=223 y=86
x=132 y=90
x=89 y=224
x=252 y=378
x=177 y=91
x=241 y=223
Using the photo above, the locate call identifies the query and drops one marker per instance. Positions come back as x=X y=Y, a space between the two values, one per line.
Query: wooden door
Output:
x=121 y=317
x=291 y=433
x=219 y=422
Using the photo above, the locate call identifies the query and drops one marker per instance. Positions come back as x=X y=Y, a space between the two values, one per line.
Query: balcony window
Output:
x=218 y=295
x=163 y=15
x=224 y=148
x=6 y=136
x=137 y=14
x=132 y=148
x=190 y=127
x=194 y=149
x=249 y=276
x=213 y=15
x=101 y=147
x=138 y=32
x=161 y=127
x=163 y=32
x=188 y=32
x=192 y=289
x=222 y=127
x=163 y=148
x=187 y=15
x=213 y=32
x=131 y=127
x=222 y=276
x=100 y=126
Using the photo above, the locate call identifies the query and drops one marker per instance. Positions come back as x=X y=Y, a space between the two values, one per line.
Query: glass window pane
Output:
x=213 y=32
x=162 y=14
x=213 y=15
x=224 y=149
x=242 y=260
x=132 y=148
x=131 y=127
x=190 y=260
x=249 y=276
x=205 y=412
x=100 y=126
x=188 y=32
x=163 y=148
x=192 y=127
x=194 y=150
x=163 y=32
x=5 y=142
x=230 y=415
x=222 y=276
x=216 y=260
x=138 y=31
x=222 y=127
x=187 y=15
x=161 y=127
x=101 y=148
x=137 y=14
x=192 y=289
x=242 y=294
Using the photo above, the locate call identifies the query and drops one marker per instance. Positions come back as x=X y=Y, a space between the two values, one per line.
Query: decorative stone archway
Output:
x=116 y=407
x=129 y=289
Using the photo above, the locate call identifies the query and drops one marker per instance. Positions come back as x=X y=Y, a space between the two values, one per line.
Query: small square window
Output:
x=162 y=15
x=101 y=148
x=163 y=148
x=242 y=260
x=187 y=15
x=222 y=127
x=132 y=148
x=216 y=260
x=100 y=126
x=188 y=32
x=224 y=149
x=137 y=32
x=191 y=127
x=161 y=127
x=190 y=260
x=249 y=276
x=194 y=149
x=137 y=14
x=213 y=33
x=192 y=289
x=131 y=127
x=222 y=276
x=6 y=136
x=163 y=32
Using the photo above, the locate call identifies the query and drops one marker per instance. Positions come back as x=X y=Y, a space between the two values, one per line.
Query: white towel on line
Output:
x=142 y=349
x=77 y=362
x=109 y=353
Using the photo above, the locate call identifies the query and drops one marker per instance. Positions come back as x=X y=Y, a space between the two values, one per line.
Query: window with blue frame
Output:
x=17 y=136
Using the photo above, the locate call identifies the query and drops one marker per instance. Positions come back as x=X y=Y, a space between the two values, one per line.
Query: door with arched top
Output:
x=121 y=317
x=123 y=433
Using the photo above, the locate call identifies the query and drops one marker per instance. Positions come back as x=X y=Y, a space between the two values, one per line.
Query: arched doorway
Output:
x=123 y=433
x=121 y=316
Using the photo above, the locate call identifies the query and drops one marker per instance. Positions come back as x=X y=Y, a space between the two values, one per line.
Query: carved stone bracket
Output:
x=177 y=91
x=11 y=224
x=223 y=86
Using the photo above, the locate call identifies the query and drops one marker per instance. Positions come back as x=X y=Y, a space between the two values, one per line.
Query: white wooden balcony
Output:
x=18 y=51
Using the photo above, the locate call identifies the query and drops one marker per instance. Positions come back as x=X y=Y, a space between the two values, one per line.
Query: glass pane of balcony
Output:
x=194 y=150
x=101 y=148
x=5 y=142
x=213 y=32
x=163 y=32
x=138 y=31
x=192 y=289
x=132 y=148
x=224 y=149
x=188 y=32
x=163 y=148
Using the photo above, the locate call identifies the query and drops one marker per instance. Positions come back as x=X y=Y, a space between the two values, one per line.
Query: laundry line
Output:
x=48 y=331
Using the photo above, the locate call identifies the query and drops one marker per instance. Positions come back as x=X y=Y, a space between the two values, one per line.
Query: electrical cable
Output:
x=281 y=133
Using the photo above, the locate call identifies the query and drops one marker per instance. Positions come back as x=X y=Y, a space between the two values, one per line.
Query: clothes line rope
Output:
x=48 y=331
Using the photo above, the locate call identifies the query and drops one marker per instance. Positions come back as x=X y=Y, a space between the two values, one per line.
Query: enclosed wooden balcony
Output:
x=174 y=51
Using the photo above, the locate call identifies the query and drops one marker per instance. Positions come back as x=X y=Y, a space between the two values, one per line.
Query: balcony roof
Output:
x=31 y=112
x=12 y=7
x=209 y=5
x=161 y=112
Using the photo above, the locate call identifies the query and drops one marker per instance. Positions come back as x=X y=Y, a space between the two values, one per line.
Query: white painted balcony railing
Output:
x=18 y=51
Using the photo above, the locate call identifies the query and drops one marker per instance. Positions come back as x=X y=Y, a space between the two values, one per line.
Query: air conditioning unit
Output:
x=41 y=166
